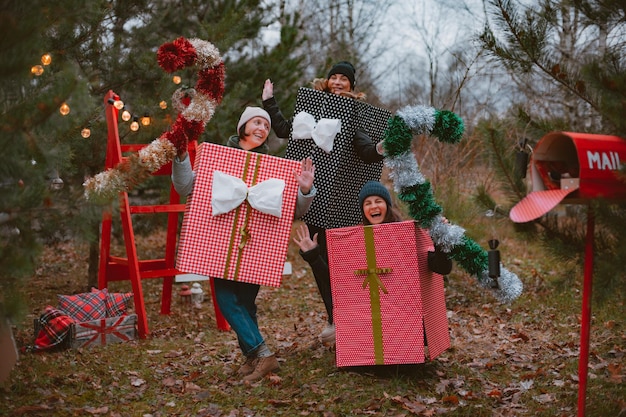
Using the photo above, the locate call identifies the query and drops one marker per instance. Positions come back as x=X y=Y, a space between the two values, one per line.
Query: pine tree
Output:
x=37 y=79
x=570 y=81
x=96 y=46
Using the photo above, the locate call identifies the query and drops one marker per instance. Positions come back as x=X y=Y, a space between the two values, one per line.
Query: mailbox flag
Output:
x=536 y=204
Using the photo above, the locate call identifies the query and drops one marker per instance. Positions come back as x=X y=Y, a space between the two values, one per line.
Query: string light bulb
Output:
x=118 y=104
x=163 y=104
x=64 y=109
x=176 y=79
x=145 y=120
x=36 y=70
x=126 y=115
x=86 y=132
x=46 y=59
x=134 y=126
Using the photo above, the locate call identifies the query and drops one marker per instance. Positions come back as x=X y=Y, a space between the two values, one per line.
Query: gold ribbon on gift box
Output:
x=243 y=231
x=376 y=285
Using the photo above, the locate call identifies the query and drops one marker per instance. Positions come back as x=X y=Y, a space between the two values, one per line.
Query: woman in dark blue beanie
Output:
x=376 y=208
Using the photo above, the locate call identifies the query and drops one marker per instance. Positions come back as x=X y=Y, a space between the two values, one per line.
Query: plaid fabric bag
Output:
x=51 y=329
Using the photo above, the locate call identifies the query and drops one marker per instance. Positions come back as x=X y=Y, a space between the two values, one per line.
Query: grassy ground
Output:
x=505 y=360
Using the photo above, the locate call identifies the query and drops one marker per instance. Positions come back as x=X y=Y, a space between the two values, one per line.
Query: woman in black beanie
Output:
x=340 y=80
x=376 y=208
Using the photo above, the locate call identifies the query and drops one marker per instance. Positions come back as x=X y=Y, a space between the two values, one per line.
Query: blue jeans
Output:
x=237 y=302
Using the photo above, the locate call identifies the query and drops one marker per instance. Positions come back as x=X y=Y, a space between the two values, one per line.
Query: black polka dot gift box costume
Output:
x=340 y=174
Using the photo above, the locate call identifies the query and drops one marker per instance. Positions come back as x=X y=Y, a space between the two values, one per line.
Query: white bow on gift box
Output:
x=323 y=132
x=229 y=192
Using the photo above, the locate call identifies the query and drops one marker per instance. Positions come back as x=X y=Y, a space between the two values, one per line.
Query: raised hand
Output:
x=303 y=238
x=306 y=175
x=268 y=90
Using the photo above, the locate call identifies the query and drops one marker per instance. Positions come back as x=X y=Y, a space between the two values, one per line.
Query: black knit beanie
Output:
x=344 y=68
x=374 y=188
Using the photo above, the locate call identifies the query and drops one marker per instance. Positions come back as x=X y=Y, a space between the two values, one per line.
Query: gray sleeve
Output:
x=183 y=177
x=304 y=202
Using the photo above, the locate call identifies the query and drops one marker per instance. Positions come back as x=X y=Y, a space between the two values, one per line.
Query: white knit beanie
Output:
x=251 y=112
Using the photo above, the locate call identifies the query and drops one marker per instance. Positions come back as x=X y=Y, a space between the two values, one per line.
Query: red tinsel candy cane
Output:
x=196 y=106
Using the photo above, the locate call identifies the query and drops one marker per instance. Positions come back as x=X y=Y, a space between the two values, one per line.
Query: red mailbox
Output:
x=575 y=167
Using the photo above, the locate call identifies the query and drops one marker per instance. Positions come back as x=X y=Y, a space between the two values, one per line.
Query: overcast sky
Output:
x=409 y=27
x=414 y=26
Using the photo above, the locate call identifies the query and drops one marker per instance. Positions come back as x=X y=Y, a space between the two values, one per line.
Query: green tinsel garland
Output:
x=421 y=203
x=419 y=197
x=398 y=137
x=448 y=126
x=471 y=256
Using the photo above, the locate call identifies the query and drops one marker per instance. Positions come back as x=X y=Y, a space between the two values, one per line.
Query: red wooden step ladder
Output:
x=131 y=268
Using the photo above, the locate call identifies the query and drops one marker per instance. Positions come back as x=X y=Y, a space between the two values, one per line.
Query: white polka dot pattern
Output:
x=339 y=175
x=211 y=245
x=403 y=247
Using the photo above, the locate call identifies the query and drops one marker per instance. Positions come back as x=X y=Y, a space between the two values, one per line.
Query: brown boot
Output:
x=248 y=366
x=263 y=367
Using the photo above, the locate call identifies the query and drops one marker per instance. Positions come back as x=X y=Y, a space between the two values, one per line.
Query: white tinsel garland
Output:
x=207 y=54
x=404 y=171
x=446 y=235
x=200 y=109
x=420 y=119
x=158 y=153
x=509 y=286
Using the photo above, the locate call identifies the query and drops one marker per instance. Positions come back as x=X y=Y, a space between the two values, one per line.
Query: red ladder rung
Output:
x=160 y=208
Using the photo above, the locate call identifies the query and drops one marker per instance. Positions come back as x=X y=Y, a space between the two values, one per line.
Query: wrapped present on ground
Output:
x=238 y=220
x=384 y=295
x=94 y=318
x=339 y=174
x=103 y=332
x=56 y=330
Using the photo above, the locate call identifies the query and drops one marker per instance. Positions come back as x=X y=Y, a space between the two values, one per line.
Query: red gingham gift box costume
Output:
x=243 y=244
x=384 y=295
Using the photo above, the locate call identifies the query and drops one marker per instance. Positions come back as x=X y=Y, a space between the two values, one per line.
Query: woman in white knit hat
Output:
x=237 y=300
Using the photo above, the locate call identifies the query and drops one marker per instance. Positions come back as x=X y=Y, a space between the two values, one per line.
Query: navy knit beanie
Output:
x=344 y=68
x=374 y=188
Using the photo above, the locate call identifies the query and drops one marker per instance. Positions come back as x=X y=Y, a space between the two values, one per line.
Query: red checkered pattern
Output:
x=117 y=303
x=403 y=248
x=54 y=326
x=433 y=298
x=212 y=246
